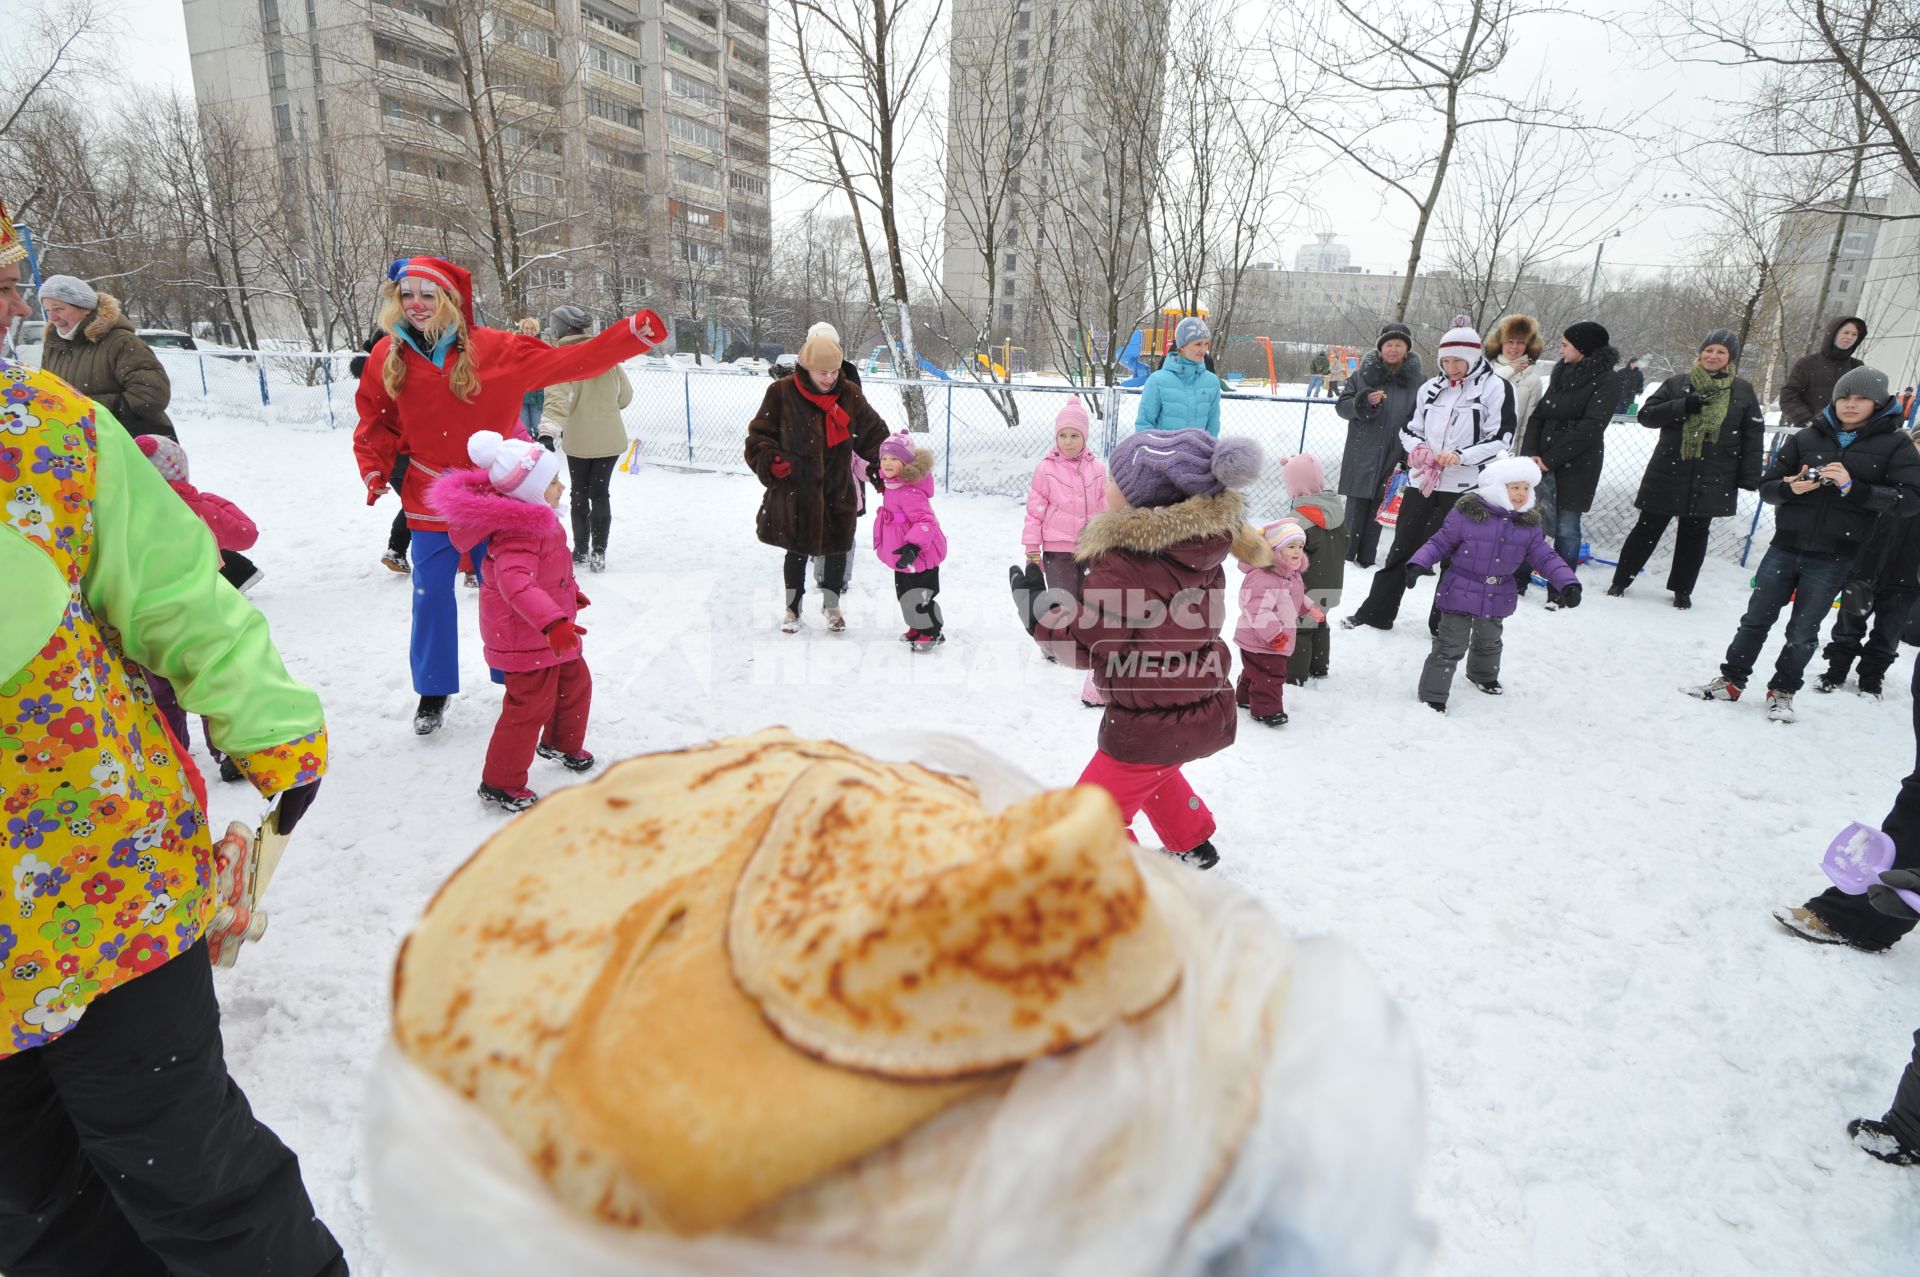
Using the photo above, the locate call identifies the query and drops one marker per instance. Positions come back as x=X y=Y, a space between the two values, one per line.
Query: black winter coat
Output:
x=1568 y=427
x=1373 y=440
x=1890 y=558
x=1707 y=487
x=1885 y=468
x=1631 y=382
x=813 y=510
x=1809 y=385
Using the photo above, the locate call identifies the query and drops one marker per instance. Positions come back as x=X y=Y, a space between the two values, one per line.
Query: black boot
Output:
x=1682 y=599
x=432 y=712
x=1877 y=1139
x=1617 y=589
x=1201 y=857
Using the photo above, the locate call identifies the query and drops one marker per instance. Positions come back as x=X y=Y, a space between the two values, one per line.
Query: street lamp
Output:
x=1594 y=279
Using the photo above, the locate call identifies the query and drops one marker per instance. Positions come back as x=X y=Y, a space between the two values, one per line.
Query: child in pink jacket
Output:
x=1272 y=602
x=505 y=515
x=1069 y=487
x=908 y=539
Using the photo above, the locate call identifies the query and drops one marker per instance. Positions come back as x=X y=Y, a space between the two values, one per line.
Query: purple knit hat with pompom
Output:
x=899 y=446
x=1161 y=467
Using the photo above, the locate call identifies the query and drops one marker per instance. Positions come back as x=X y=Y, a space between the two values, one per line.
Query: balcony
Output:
x=750 y=122
x=750 y=21
x=704 y=12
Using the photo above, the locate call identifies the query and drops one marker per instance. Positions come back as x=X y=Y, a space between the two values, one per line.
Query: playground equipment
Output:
x=1273 y=382
x=986 y=362
x=1160 y=340
x=1131 y=360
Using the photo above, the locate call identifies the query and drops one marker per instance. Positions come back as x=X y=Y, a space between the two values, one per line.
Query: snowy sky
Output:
x=1621 y=67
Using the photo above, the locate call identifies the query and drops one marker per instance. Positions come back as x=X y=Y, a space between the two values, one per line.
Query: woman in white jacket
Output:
x=1462 y=419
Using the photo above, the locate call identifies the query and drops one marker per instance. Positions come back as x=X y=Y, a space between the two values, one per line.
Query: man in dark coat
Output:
x=1379 y=400
x=1631 y=382
x=1809 y=384
x=91 y=345
x=801 y=444
x=1829 y=482
x=1712 y=446
x=1882 y=584
x=1566 y=435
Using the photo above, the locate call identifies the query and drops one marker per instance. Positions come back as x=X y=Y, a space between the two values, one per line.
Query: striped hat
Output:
x=1461 y=342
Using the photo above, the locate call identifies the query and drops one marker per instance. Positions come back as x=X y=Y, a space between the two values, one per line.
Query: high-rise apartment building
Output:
x=607 y=152
x=1326 y=253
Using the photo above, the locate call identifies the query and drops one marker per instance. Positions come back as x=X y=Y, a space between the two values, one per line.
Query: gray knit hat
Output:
x=569 y=319
x=1868 y=383
x=1724 y=337
x=72 y=291
x=1161 y=467
x=1192 y=328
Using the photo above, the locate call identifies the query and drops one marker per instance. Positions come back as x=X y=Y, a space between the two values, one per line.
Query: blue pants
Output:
x=1812 y=582
x=1561 y=526
x=435 y=649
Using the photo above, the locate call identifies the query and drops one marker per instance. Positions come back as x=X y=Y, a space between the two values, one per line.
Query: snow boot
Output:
x=1272 y=720
x=1779 y=707
x=1553 y=600
x=923 y=642
x=836 y=621
x=579 y=558
x=1201 y=857
x=432 y=712
x=1830 y=681
x=1808 y=926
x=1617 y=590
x=1438 y=707
x=1720 y=689
x=1682 y=600
x=394 y=561
x=246 y=586
x=507 y=799
x=230 y=770
x=1491 y=687
x=1354 y=622
x=582 y=761
x=597 y=561
x=1869 y=685
x=1877 y=1139
x=470 y=579
x=790 y=623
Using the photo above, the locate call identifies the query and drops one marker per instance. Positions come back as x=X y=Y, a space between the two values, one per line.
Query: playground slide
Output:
x=1130 y=360
x=926 y=365
x=998 y=371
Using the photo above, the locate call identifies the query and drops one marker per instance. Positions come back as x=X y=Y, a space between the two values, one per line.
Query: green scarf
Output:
x=1704 y=427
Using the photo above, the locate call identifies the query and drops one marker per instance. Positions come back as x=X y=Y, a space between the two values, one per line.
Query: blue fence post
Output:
x=1306 y=411
x=265 y=398
x=326 y=377
x=1754 y=527
x=202 y=361
x=687 y=386
x=949 y=482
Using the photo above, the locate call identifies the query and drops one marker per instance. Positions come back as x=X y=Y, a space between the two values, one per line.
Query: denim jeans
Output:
x=1812 y=582
x=1562 y=526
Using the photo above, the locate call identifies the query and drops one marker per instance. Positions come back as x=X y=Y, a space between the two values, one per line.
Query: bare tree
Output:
x=50 y=47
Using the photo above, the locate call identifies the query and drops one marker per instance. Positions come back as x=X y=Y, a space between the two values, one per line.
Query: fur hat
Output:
x=441 y=273
x=1282 y=533
x=68 y=289
x=168 y=457
x=1304 y=474
x=1072 y=416
x=1587 y=336
x=1723 y=337
x=1390 y=331
x=1162 y=467
x=1461 y=342
x=1514 y=327
x=516 y=467
x=1190 y=329
x=569 y=319
x=900 y=446
x=1498 y=474
x=1868 y=383
x=820 y=352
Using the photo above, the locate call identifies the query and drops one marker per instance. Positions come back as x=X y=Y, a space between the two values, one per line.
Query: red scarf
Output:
x=837 y=418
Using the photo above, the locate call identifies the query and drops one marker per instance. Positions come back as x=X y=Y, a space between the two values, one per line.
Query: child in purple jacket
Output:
x=1488 y=535
x=908 y=539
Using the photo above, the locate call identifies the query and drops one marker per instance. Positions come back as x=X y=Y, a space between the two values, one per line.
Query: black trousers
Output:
x=1852 y=916
x=127 y=1149
x=591 y=480
x=1363 y=533
x=1420 y=517
x=794 y=570
x=1904 y=1116
x=400 y=536
x=1689 y=550
x=1875 y=652
x=916 y=592
x=1312 y=648
x=236 y=567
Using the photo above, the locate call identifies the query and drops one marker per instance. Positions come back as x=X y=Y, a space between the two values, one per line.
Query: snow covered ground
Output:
x=1631 y=1068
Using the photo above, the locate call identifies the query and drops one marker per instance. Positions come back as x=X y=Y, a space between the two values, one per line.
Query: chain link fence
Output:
x=986 y=438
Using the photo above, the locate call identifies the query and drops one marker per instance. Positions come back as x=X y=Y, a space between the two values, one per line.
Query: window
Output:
x=1006 y=313
x=608 y=62
x=269 y=15
x=677 y=43
x=536 y=40
x=615 y=25
x=706 y=13
x=276 y=71
x=740 y=149
x=633 y=283
x=695 y=216
x=1008 y=263
x=282 y=122
x=619 y=157
x=1855 y=243
x=557 y=278
x=747 y=185
x=618 y=112
x=685 y=130
x=694 y=173
x=1020 y=48
x=1019 y=77
x=1023 y=21
x=1842 y=285
x=320 y=105
x=528 y=182
x=687 y=250
x=685 y=86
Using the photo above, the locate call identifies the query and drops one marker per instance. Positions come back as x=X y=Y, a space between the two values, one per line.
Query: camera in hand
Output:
x=1810 y=475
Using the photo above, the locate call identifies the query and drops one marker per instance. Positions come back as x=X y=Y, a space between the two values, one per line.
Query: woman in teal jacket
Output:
x=1184 y=394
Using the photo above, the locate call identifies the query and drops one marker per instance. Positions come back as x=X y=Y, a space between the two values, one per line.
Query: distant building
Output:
x=1801 y=249
x=1326 y=253
x=1891 y=306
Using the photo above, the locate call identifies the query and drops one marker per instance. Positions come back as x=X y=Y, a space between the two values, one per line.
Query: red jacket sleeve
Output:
x=376 y=439
x=231 y=528
x=529 y=364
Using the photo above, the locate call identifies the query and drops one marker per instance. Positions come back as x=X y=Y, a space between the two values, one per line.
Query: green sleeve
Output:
x=155 y=578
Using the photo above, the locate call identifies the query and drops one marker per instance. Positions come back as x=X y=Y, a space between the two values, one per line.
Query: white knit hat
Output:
x=824 y=329
x=517 y=468
x=1461 y=342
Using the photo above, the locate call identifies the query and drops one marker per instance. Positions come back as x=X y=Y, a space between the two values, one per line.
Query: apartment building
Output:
x=620 y=158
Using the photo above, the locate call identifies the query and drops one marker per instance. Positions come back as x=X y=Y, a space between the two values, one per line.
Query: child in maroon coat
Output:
x=507 y=512
x=1148 y=625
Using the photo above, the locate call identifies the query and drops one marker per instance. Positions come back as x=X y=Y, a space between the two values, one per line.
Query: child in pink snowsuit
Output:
x=1069 y=487
x=528 y=602
x=231 y=528
x=1273 y=600
x=908 y=539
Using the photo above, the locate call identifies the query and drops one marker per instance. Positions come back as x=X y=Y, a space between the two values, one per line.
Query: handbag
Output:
x=1391 y=495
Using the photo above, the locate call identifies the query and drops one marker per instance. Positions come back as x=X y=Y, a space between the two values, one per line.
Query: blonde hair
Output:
x=461 y=377
x=530 y=327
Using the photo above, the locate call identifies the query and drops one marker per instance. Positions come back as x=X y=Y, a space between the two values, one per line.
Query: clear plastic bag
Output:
x=1267 y=1120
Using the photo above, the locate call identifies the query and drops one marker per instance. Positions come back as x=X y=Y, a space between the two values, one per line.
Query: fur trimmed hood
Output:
x=1157 y=529
x=920 y=468
x=106 y=317
x=1566 y=376
x=1375 y=374
x=1474 y=510
x=470 y=503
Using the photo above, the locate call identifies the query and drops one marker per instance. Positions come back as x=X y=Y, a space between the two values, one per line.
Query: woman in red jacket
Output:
x=430 y=384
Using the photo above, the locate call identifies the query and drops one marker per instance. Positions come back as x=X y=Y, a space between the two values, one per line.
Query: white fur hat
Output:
x=517 y=468
x=1499 y=473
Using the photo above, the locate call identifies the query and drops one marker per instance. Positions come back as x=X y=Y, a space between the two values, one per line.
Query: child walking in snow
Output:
x=1489 y=533
x=1273 y=604
x=908 y=539
x=1322 y=515
x=1150 y=628
x=1069 y=487
x=508 y=512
